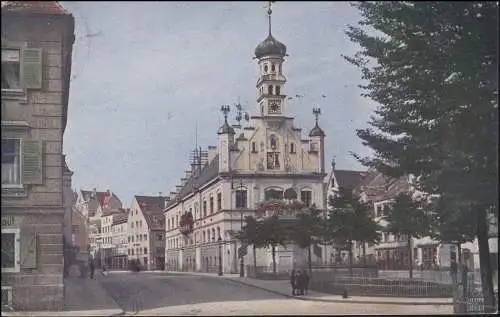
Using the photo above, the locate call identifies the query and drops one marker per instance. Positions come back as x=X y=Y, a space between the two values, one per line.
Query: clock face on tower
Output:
x=274 y=106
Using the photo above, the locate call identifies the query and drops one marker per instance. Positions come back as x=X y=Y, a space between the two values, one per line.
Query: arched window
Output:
x=208 y=235
x=273 y=67
x=306 y=197
x=218 y=233
x=278 y=92
x=292 y=147
x=279 y=68
x=214 y=238
x=265 y=68
x=270 y=89
x=273 y=194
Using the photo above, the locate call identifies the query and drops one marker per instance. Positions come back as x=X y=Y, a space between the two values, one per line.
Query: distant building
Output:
x=119 y=240
x=146 y=232
x=37 y=43
x=94 y=205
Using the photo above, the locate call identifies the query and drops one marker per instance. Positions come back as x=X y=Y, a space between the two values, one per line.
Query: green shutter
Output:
x=32 y=68
x=28 y=246
x=32 y=162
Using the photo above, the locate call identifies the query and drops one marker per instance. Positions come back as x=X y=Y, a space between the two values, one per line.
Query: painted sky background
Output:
x=145 y=72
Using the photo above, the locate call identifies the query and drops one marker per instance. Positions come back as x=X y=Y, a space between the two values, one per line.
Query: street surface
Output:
x=165 y=294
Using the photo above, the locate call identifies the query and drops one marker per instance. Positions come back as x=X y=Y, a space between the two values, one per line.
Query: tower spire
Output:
x=269 y=12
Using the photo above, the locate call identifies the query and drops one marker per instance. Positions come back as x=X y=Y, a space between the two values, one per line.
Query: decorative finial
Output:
x=240 y=112
x=316 y=113
x=225 y=110
x=333 y=163
x=269 y=12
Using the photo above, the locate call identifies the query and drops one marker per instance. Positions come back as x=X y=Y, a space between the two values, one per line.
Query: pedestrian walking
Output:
x=306 y=282
x=91 y=267
x=293 y=282
x=300 y=282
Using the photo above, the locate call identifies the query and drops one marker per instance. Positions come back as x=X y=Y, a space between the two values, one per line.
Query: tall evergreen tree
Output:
x=432 y=68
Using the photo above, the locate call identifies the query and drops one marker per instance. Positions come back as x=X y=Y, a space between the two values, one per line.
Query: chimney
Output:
x=212 y=151
x=108 y=192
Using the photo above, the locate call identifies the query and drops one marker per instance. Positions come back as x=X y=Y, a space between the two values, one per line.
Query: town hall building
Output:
x=250 y=164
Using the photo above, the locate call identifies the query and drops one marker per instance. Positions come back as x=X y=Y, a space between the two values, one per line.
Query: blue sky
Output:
x=145 y=73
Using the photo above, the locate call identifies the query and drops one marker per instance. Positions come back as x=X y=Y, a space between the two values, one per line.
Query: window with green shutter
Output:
x=28 y=248
x=32 y=162
x=32 y=68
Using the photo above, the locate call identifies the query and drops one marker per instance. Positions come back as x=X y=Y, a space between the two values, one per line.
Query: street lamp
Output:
x=242 y=260
x=220 y=255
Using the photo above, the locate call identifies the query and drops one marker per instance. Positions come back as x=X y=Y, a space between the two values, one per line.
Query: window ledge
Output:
x=14 y=94
x=17 y=124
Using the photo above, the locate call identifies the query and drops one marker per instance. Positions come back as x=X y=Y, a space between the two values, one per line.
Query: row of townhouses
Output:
x=115 y=236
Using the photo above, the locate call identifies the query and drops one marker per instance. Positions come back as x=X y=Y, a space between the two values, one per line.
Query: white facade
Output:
x=249 y=161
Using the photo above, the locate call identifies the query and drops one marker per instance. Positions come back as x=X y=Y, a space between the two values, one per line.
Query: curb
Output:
x=342 y=300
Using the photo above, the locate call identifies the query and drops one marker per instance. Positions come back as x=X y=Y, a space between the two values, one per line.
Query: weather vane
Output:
x=269 y=12
x=240 y=112
x=225 y=110
x=316 y=113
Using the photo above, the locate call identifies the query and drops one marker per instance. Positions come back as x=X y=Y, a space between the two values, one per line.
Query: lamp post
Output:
x=242 y=260
x=220 y=255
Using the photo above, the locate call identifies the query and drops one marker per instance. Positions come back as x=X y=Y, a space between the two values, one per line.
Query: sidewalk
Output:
x=83 y=297
x=282 y=287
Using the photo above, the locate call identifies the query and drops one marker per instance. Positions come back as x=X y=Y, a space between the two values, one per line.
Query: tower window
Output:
x=273 y=68
x=292 y=148
x=254 y=148
x=277 y=88
x=279 y=68
x=265 y=68
x=270 y=89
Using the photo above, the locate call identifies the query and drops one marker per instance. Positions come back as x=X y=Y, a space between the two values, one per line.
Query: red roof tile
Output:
x=42 y=7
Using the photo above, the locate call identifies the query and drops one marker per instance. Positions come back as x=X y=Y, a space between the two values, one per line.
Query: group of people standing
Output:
x=300 y=282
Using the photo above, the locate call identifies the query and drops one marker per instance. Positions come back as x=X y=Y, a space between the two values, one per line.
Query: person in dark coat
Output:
x=300 y=282
x=293 y=282
x=306 y=281
x=91 y=267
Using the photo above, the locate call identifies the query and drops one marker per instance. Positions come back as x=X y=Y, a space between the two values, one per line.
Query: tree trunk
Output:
x=410 y=258
x=484 y=261
x=350 y=258
x=273 y=251
x=459 y=253
x=309 y=259
x=364 y=253
x=254 y=259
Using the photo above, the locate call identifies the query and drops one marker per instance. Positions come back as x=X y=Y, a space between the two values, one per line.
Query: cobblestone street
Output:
x=172 y=294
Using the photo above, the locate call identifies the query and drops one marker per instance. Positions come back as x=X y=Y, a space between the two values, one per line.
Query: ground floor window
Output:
x=10 y=250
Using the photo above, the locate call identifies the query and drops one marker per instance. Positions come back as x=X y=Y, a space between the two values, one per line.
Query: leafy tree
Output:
x=273 y=233
x=250 y=234
x=432 y=68
x=306 y=230
x=451 y=222
x=350 y=220
x=407 y=218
